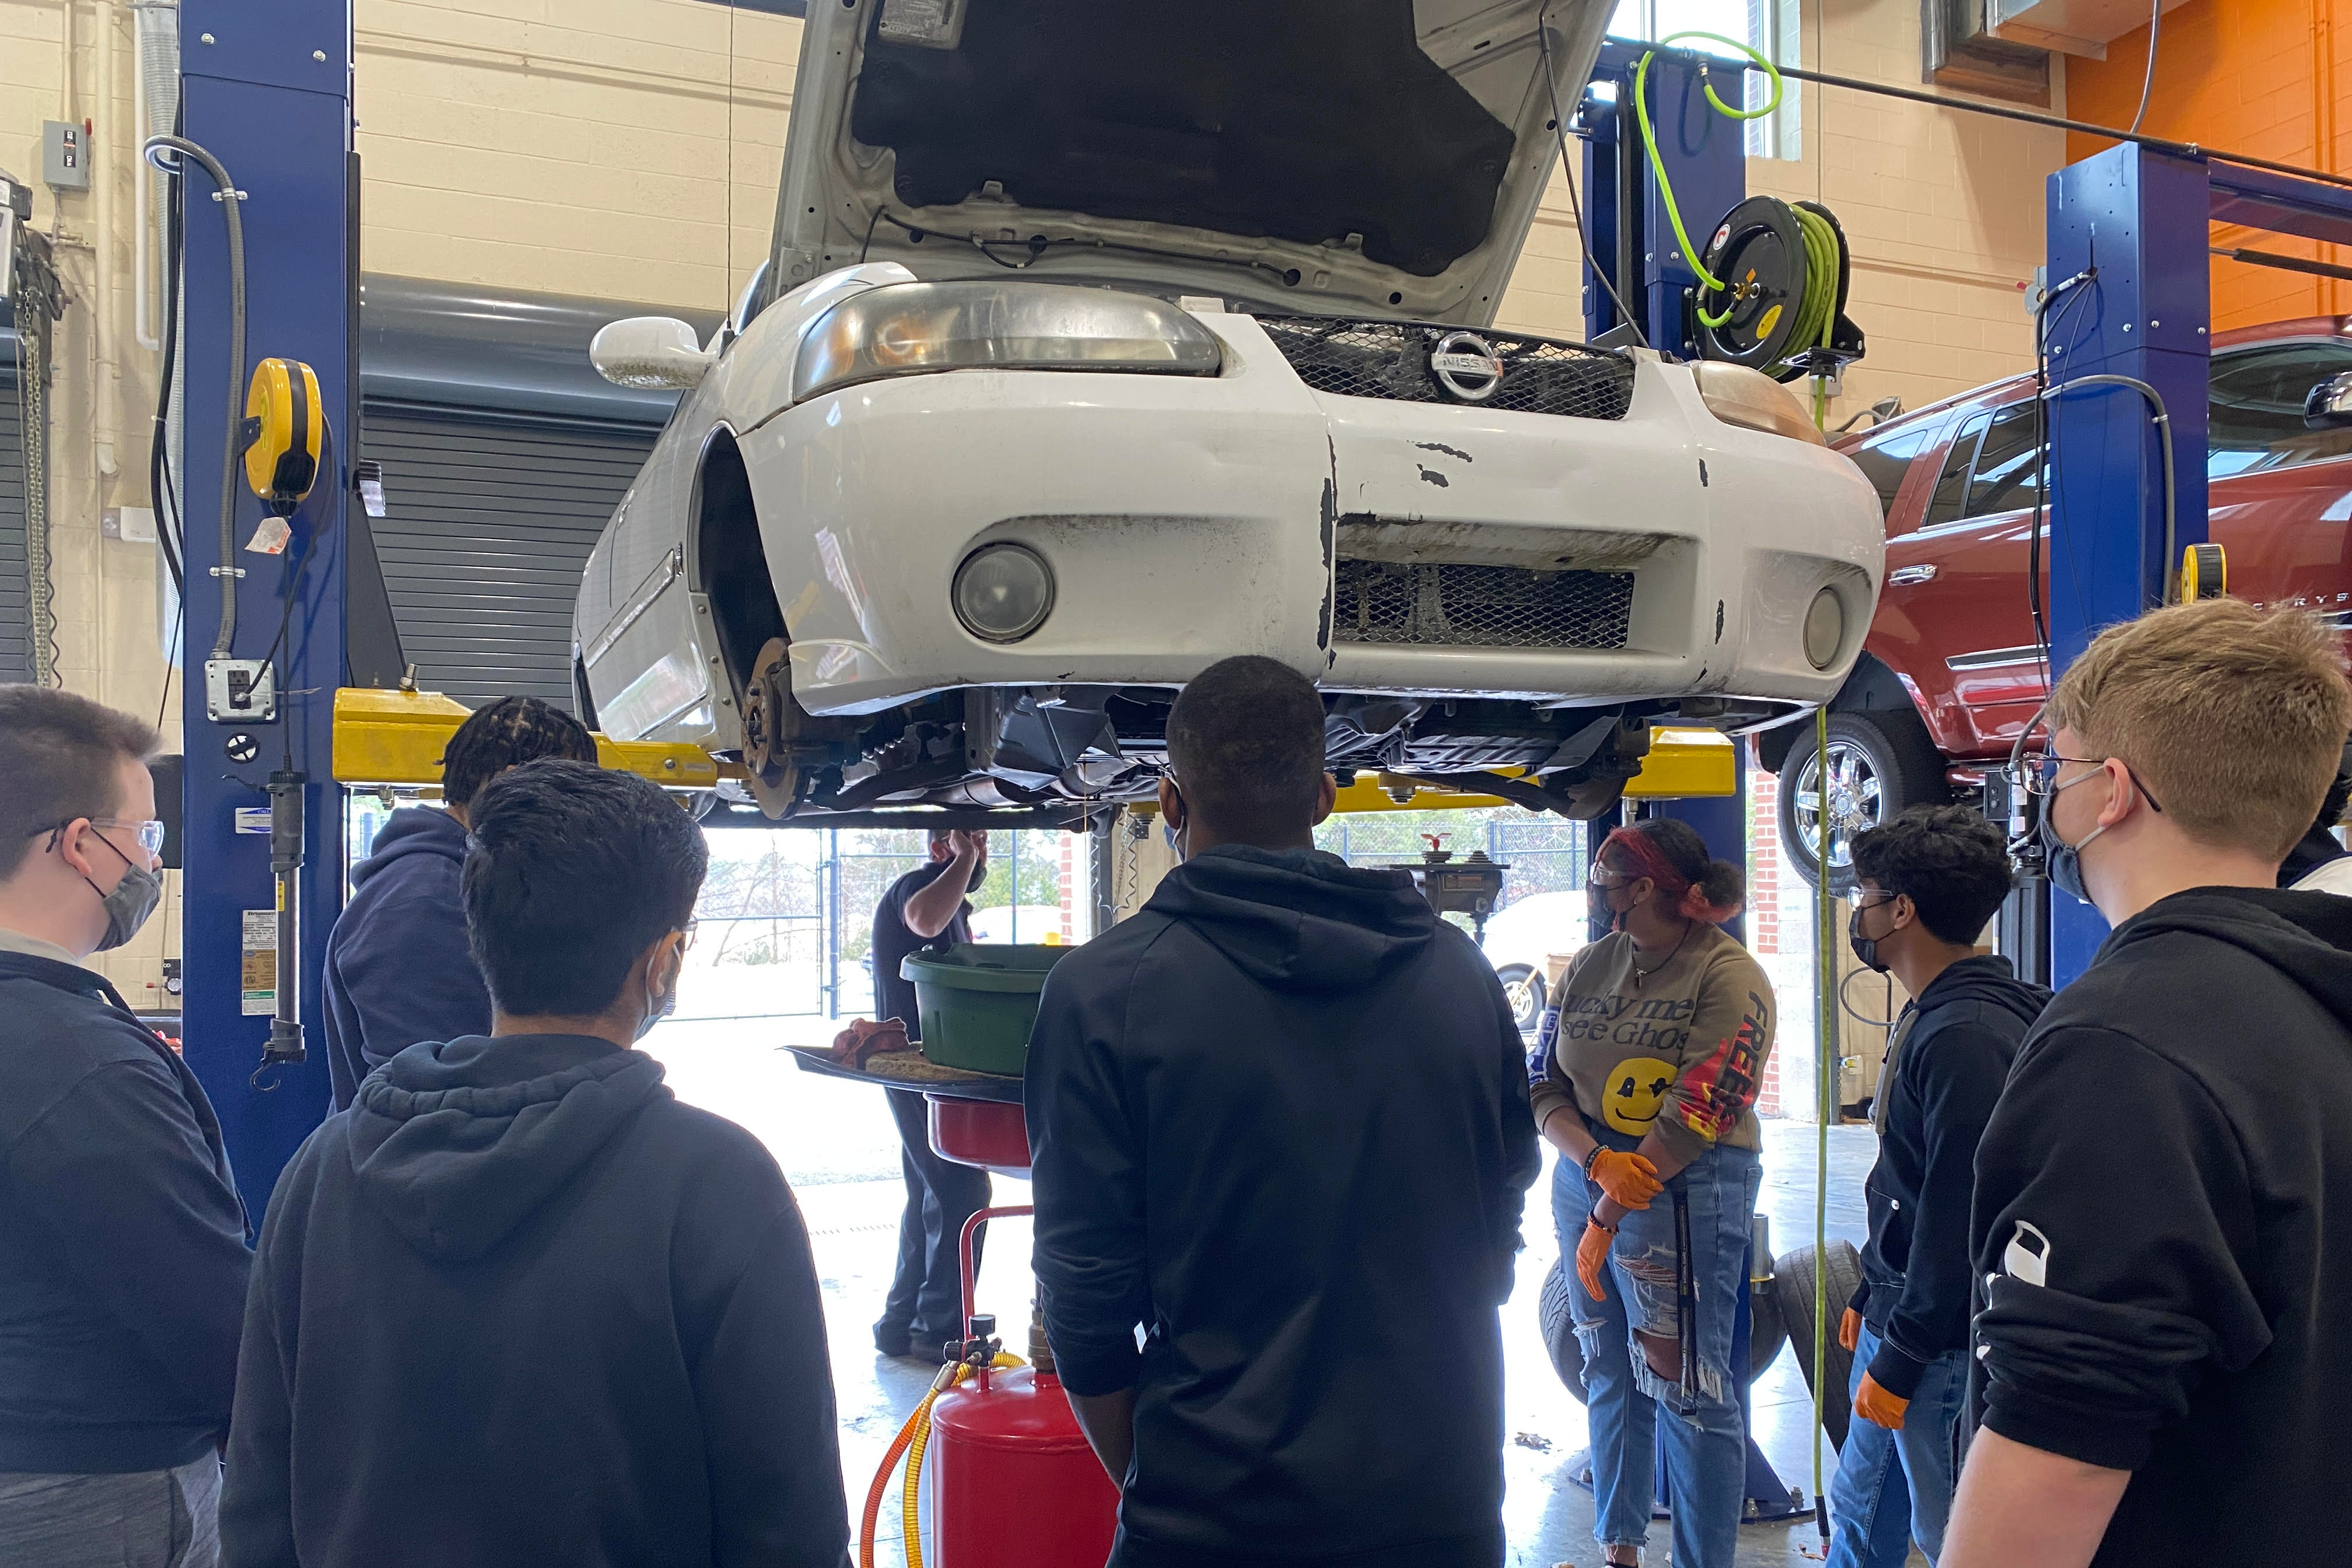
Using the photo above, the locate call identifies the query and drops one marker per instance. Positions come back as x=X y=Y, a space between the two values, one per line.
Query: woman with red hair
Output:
x=1648 y=1091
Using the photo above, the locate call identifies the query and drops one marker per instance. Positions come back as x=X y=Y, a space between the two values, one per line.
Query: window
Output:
x=2256 y=408
x=1952 y=485
x=2009 y=463
x=1770 y=26
x=1884 y=459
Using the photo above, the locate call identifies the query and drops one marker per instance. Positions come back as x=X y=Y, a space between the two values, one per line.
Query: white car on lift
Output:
x=1098 y=344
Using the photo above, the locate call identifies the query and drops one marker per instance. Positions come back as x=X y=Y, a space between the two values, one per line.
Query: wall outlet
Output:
x=240 y=691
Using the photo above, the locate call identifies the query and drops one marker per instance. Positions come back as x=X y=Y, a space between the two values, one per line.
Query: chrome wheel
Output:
x=1857 y=800
x=1524 y=989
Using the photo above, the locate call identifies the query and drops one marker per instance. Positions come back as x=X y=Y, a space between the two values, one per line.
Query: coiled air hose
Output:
x=913 y=1438
x=1824 y=260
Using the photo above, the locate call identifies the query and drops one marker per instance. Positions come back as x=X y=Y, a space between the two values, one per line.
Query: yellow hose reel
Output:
x=284 y=429
x=2204 y=573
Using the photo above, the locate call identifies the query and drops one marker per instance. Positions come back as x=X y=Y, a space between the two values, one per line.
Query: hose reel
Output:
x=1773 y=294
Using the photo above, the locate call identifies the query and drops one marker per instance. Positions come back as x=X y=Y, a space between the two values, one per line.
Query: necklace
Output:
x=1641 y=973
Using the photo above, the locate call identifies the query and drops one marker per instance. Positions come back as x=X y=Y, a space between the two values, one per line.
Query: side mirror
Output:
x=656 y=352
x=2329 y=407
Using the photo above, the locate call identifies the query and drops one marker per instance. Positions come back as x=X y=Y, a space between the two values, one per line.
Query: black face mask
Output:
x=1865 y=948
x=1600 y=917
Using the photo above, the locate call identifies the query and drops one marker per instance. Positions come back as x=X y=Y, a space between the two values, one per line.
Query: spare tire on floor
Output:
x=1792 y=1292
x=1766 y=1334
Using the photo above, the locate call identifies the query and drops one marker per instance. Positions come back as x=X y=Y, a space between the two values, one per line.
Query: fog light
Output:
x=1004 y=592
x=1824 y=628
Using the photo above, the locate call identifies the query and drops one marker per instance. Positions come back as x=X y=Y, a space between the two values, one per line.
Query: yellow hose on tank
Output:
x=913 y=1438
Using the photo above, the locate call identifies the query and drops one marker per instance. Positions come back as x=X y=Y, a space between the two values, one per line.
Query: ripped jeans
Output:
x=1705 y=1440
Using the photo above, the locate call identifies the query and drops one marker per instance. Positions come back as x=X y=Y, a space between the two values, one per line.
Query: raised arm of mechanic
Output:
x=929 y=910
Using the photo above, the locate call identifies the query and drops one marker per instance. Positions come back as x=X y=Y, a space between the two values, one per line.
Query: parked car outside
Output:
x=1522 y=937
x=1028 y=924
x=1952 y=670
x=1096 y=345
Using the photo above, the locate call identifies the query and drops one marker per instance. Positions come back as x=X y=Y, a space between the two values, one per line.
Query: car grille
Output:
x=1391 y=360
x=1435 y=604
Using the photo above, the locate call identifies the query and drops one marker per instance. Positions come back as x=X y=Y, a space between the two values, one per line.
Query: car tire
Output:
x=1523 y=988
x=1882 y=763
x=1792 y=1292
x=1767 y=1331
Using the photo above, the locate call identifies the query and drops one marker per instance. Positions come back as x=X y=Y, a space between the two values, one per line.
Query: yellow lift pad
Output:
x=396 y=739
x=1683 y=764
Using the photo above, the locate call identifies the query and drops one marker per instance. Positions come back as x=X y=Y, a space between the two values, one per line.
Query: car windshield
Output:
x=2256 y=408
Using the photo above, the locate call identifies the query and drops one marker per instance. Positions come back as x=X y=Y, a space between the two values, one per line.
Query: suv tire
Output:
x=1882 y=763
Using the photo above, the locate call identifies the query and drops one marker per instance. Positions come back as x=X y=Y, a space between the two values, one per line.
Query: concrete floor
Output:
x=839 y=1148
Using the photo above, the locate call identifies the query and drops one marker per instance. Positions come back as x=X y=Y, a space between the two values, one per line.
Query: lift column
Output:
x=266 y=86
x=2136 y=222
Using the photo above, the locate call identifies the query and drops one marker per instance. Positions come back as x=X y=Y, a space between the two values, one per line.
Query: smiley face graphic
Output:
x=1637 y=1088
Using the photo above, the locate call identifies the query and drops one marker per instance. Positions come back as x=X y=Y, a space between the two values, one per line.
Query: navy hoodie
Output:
x=1964 y=1032
x=520 y=1306
x=398 y=969
x=123 y=1255
x=1280 y=1118
x=2160 y=1222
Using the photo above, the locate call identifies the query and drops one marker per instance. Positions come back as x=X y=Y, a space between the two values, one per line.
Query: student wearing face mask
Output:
x=517 y=1304
x=2158 y=1228
x=122 y=1256
x=1926 y=884
x=1649 y=1094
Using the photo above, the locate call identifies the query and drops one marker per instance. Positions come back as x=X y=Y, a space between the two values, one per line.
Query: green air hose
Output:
x=1817 y=303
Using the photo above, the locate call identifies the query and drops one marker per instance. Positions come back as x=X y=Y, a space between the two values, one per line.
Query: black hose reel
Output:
x=1781 y=271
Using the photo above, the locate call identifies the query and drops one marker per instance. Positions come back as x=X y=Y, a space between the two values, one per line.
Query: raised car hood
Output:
x=1361 y=157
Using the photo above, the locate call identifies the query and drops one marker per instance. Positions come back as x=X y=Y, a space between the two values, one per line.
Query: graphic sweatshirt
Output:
x=2160 y=1228
x=1676 y=1046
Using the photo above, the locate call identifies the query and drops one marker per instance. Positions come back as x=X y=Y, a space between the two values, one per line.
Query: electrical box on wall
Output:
x=16 y=207
x=65 y=155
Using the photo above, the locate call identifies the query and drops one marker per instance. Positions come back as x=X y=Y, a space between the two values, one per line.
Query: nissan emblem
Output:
x=1465 y=366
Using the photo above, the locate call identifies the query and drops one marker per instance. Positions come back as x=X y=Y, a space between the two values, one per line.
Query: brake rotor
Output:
x=770 y=727
x=1759 y=252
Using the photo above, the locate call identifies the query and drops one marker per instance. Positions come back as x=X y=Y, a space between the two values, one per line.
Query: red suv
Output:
x=1951 y=669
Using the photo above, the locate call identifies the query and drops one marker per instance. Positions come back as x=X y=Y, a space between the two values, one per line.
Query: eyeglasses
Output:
x=687 y=930
x=150 y=833
x=1599 y=876
x=2037 y=774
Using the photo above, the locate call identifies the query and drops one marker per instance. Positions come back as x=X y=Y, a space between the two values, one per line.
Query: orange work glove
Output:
x=1878 y=1406
x=1590 y=1253
x=1630 y=1180
x=1850 y=1330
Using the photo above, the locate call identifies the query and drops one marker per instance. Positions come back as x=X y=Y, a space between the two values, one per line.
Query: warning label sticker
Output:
x=260 y=967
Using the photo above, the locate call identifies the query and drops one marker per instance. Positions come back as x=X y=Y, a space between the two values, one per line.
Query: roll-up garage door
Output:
x=489 y=518
x=16 y=578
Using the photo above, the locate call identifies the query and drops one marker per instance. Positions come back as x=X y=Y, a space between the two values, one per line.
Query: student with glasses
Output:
x=1649 y=1094
x=122 y=1244
x=2157 y=1234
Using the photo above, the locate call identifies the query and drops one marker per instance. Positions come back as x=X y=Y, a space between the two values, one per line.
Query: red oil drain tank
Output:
x=1015 y=1485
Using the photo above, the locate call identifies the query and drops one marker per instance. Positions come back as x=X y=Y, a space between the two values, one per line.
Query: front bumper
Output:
x=1187 y=519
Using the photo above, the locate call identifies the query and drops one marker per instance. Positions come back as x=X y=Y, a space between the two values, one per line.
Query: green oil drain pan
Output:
x=975 y=1002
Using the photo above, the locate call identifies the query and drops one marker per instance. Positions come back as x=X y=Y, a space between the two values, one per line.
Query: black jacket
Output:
x=2172 y=1161
x=520 y=1306
x=123 y=1255
x=1280 y=1116
x=398 y=970
x=1965 y=1029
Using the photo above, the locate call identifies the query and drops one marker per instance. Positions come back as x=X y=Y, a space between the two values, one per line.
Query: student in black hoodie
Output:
x=519 y=1305
x=122 y=1256
x=1926 y=884
x=1279 y=1117
x=2159 y=1220
x=397 y=968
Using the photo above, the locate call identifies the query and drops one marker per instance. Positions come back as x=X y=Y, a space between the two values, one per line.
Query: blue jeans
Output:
x=1705 y=1440
x=149 y=1519
x=1895 y=1488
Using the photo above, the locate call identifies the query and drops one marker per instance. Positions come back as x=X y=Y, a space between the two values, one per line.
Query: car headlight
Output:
x=1824 y=628
x=1753 y=400
x=1004 y=592
x=905 y=329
